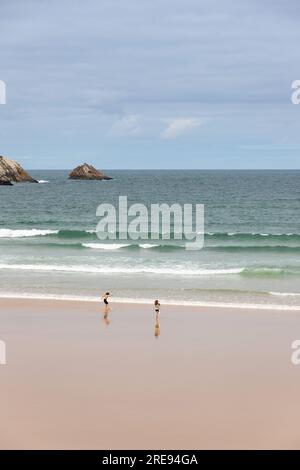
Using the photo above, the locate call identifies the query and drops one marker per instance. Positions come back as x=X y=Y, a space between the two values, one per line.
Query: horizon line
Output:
x=172 y=169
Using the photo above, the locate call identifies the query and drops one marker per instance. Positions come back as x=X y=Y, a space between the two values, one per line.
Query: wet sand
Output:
x=212 y=379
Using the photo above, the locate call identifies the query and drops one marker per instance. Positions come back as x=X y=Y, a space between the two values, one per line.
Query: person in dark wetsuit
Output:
x=105 y=298
x=106 y=307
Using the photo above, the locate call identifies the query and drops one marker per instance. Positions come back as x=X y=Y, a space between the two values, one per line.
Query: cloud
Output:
x=128 y=68
x=178 y=127
x=126 y=126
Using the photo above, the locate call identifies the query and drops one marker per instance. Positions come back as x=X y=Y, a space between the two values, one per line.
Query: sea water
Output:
x=49 y=246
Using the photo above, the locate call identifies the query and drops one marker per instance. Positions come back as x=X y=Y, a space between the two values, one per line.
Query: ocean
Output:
x=49 y=248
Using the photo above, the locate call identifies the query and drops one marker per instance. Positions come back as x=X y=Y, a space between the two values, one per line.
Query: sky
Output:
x=119 y=84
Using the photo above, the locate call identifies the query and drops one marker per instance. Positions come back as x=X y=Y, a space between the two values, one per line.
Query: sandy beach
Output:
x=213 y=379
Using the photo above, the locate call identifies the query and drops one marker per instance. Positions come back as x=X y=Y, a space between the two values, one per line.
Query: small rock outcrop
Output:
x=87 y=172
x=12 y=172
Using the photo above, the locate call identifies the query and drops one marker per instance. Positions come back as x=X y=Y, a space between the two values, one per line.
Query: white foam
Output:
x=43 y=181
x=118 y=269
x=10 y=233
x=118 y=246
x=285 y=294
x=105 y=246
x=232 y=234
x=146 y=246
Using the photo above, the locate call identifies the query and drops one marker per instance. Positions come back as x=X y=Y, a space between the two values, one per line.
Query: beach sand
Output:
x=213 y=379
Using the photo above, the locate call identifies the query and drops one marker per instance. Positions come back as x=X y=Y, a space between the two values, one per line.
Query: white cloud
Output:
x=179 y=127
x=127 y=125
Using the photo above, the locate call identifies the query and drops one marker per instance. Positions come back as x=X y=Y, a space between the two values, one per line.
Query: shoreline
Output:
x=168 y=303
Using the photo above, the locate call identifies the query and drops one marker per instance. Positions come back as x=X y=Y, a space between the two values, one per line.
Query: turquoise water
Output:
x=252 y=244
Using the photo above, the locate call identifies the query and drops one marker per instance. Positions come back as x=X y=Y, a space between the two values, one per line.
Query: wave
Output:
x=43 y=181
x=118 y=269
x=66 y=233
x=147 y=246
x=272 y=248
x=71 y=234
x=105 y=246
x=258 y=271
x=4 y=233
x=59 y=241
x=253 y=235
x=166 y=302
x=10 y=233
x=285 y=294
x=91 y=233
x=172 y=270
x=118 y=246
x=87 y=239
x=269 y=271
x=37 y=232
x=257 y=293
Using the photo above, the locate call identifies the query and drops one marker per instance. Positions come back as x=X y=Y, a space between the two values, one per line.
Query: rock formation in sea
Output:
x=12 y=172
x=87 y=172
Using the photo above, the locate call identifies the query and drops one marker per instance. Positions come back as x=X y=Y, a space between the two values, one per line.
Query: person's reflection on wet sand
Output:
x=157 y=325
x=106 y=312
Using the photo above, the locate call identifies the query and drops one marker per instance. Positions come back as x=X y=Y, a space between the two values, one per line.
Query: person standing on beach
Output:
x=157 y=322
x=157 y=306
x=106 y=307
x=105 y=298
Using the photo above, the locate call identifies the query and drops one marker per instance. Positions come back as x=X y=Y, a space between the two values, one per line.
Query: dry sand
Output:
x=213 y=379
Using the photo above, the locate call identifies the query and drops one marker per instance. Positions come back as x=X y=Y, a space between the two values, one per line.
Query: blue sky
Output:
x=150 y=83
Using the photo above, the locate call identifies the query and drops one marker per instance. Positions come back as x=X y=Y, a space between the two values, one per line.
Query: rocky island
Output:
x=87 y=172
x=11 y=172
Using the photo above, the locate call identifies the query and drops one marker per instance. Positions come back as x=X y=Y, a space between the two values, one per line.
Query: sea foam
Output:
x=119 y=269
x=10 y=233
